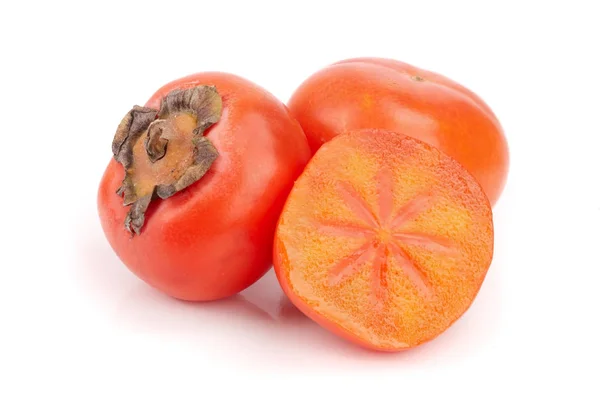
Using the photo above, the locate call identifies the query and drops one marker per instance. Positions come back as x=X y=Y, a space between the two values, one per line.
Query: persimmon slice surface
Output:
x=384 y=240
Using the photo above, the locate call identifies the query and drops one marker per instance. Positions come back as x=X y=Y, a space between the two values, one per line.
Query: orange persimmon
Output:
x=190 y=200
x=383 y=240
x=366 y=93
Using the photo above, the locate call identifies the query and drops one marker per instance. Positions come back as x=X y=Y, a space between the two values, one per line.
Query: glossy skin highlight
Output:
x=214 y=238
x=365 y=93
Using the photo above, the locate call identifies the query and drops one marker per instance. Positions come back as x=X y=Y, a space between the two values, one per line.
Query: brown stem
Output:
x=156 y=145
x=164 y=151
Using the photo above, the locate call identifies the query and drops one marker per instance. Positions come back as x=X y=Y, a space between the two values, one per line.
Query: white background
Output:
x=76 y=324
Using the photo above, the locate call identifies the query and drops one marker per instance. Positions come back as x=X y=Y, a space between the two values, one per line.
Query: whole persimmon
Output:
x=376 y=93
x=191 y=197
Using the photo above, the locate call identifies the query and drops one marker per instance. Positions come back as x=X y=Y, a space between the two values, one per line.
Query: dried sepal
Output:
x=133 y=125
x=202 y=102
x=205 y=155
x=137 y=214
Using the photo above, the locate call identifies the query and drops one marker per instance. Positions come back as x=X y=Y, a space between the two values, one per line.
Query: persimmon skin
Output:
x=378 y=93
x=214 y=238
x=429 y=232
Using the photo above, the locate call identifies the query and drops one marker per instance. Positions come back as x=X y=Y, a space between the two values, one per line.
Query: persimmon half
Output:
x=384 y=240
x=378 y=93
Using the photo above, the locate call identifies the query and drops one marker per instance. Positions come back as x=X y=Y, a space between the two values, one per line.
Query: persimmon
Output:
x=384 y=239
x=365 y=93
x=199 y=175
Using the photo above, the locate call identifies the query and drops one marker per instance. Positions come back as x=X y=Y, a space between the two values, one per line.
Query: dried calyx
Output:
x=164 y=151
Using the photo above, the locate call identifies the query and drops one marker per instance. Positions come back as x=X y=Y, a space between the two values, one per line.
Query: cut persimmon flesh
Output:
x=383 y=240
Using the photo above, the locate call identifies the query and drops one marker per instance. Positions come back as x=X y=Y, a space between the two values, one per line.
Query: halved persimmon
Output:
x=384 y=240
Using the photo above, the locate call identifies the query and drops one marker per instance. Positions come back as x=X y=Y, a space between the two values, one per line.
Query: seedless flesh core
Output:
x=384 y=240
